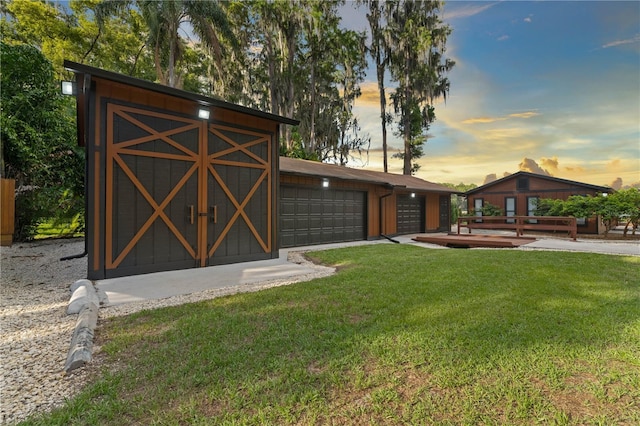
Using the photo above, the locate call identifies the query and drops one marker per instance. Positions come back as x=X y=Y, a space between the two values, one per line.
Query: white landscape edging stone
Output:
x=84 y=302
x=83 y=294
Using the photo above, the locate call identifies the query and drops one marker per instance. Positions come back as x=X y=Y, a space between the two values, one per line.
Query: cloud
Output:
x=466 y=10
x=527 y=114
x=616 y=184
x=503 y=38
x=550 y=164
x=483 y=120
x=529 y=165
x=490 y=178
x=528 y=19
x=370 y=95
x=615 y=43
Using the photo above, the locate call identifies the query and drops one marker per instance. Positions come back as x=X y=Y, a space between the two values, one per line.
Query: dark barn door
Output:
x=238 y=194
x=181 y=193
x=311 y=216
x=410 y=214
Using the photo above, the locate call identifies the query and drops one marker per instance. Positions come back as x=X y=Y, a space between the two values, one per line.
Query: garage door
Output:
x=319 y=216
x=410 y=215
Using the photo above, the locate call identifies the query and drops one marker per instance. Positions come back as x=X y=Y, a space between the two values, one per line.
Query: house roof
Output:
x=545 y=177
x=171 y=91
x=299 y=167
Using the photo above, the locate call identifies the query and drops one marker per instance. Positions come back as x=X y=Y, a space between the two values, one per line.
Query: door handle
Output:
x=191 y=214
x=214 y=214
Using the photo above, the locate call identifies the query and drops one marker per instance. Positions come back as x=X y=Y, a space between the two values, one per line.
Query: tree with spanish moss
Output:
x=416 y=37
x=164 y=18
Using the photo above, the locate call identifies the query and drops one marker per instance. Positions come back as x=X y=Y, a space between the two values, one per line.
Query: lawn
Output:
x=400 y=335
x=53 y=228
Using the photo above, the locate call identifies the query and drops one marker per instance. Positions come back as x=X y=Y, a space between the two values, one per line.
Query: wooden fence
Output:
x=7 y=210
x=519 y=224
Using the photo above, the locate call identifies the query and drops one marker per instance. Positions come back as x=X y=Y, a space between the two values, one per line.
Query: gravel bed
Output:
x=35 y=331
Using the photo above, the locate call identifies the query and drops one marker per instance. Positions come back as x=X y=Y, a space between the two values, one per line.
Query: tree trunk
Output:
x=312 y=124
x=383 y=110
x=291 y=47
x=172 y=57
x=406 y=112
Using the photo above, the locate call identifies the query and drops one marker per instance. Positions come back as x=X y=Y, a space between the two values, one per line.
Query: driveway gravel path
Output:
x=34 y=327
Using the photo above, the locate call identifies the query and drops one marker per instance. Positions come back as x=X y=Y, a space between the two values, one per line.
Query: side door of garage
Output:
x=410 y=214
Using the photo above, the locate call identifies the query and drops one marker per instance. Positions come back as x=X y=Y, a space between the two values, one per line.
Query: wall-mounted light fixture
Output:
x=68 y=87
x=325 y=183
x=413 y=195
x=203 y=113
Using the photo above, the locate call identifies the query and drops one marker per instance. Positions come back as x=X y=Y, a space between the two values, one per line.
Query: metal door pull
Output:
x=214 y=214
x=191 y=213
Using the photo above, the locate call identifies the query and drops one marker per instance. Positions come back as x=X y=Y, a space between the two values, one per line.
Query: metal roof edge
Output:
x=172 y=91
x=546 y=177
x=365 y=176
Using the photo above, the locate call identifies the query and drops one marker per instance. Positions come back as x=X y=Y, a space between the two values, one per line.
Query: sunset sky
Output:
x=542 y=86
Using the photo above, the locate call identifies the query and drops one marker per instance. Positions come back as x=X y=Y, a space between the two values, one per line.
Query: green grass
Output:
x=400 y=335
x=56 y=228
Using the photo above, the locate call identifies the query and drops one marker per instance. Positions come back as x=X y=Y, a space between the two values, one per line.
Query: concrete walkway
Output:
x=161 y=285
x=587 y=246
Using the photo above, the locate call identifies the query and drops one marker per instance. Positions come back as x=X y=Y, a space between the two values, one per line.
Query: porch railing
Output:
x=519 y=224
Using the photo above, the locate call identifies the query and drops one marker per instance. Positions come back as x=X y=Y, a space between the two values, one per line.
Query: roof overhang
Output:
x=170 y=91
x=406 y=183
x=545 y=177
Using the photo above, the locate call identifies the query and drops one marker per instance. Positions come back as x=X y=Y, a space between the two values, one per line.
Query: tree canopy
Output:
x=37 y=134
x=291 y=58
x=621 y=205
x=294 y=59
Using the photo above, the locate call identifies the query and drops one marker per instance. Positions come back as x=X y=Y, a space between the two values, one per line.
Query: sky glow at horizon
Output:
x=547 y=87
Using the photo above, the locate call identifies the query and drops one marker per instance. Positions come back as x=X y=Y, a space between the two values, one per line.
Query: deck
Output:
x=475 y=240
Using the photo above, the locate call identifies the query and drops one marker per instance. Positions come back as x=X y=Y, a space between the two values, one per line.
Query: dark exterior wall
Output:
x=127 y=93
x=93 y=107
x=381 y=203
x=538 y=187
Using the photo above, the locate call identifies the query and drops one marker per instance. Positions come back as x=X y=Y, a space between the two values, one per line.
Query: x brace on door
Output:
x=122 y=153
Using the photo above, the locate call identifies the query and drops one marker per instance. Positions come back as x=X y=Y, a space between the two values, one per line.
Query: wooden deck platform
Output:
x=475 y=240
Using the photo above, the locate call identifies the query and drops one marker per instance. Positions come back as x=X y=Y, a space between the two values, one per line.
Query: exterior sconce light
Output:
x=203 y=114
x=325 y=183
x=413 y=195
x=68 y=88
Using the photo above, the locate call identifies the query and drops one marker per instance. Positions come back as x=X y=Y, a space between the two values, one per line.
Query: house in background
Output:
x=326 y=203
x=517 y=195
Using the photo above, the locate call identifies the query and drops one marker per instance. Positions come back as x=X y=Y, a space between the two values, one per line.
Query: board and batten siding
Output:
x=523 y=187
x=168 y=190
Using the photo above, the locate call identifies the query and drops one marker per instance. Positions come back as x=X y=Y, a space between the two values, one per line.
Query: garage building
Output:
x=326 y=203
